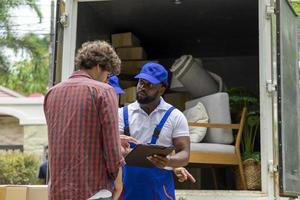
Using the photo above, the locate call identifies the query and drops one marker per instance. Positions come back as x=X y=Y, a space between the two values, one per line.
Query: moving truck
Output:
x=249 y=43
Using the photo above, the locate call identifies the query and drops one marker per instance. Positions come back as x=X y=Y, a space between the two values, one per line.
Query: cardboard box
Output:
x=129 y=96
x=2 y=192
x=133 y=67
x=131 y=53
x=124 y=40
x=16 y=192
x=37 y=192
x=127 y=84
x=177 y=99
x=122 y=101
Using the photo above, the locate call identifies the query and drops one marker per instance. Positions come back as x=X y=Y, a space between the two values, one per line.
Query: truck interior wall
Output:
x=239 y=71
x=245 y=68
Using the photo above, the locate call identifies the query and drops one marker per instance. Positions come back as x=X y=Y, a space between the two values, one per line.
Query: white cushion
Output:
x=217 y=106
x=196 y=114
x=212 y=148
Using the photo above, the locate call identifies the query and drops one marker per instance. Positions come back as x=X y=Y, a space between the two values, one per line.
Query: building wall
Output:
x=24 y=123
x=11 y=133
x=35 y=139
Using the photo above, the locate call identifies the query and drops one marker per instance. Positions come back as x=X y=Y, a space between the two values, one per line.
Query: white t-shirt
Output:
x=142 y=125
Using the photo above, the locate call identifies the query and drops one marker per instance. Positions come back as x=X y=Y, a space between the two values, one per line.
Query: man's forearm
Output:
x=176 y=160
x=179 y=159
x=118 y=185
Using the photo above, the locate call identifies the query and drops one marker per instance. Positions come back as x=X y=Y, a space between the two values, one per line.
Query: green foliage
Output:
x=25 y=80
x=31 y=74
x=296 y=6
x=251 y=155
x=239 y=97
x=8 y=38
x=18 y=168
x=251 y=129
x=242 y=101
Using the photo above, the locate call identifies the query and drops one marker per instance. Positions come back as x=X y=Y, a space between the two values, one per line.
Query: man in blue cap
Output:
x=181 y=173
x=151 y=120
x=114 y=82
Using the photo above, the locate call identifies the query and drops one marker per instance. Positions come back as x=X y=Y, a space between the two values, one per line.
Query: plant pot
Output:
x=252 y=172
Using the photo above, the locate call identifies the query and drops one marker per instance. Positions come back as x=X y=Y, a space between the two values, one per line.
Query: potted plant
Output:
x=251 y=157
x=239 y=97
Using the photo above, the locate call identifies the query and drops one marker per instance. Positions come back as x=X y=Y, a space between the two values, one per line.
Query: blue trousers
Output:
x=147 y=184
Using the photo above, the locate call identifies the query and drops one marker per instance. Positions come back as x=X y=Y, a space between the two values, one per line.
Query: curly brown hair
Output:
x=98 y=52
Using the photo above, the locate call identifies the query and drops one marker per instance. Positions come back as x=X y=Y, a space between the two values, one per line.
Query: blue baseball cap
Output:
x=154 y=73
x=114 y=82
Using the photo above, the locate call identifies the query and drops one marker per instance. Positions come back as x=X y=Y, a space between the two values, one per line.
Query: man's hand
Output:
x=159 y=161
x=183 y=175
x=126 y=139
x=118 y=185
x=125 y=147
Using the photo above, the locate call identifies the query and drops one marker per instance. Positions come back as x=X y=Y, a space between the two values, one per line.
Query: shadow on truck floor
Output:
x=224 y=178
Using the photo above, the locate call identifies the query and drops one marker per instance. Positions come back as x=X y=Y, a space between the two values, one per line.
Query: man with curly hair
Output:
x=83 y=135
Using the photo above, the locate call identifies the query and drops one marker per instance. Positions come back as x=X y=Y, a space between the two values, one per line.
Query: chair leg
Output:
x=242 y=175
x=213 y=170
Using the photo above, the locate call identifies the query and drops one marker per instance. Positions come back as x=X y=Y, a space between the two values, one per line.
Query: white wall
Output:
x=29 y=125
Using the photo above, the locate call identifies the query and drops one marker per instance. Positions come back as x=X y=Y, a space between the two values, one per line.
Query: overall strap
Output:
x=161 y=124
x=126 y=121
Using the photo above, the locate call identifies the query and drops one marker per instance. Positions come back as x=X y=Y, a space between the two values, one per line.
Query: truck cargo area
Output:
x=223 y=34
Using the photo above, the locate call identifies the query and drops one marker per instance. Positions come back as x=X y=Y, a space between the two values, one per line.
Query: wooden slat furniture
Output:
x=219 y=158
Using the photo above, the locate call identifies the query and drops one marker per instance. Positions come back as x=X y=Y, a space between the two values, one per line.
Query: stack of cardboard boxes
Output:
x=23 y=192
x=128 y=48
x=177 y=99
x=133 y=57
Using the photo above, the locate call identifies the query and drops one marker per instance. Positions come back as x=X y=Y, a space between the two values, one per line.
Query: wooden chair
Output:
x=221 y=158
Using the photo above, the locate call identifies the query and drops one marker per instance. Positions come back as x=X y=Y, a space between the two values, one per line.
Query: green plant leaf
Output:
x=252 y=155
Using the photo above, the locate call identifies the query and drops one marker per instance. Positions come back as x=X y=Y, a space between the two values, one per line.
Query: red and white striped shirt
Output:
x=83 y=136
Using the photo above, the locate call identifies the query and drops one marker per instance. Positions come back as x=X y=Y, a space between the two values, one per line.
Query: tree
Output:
x=296 y=6
x=9 y=39
x=30 y=74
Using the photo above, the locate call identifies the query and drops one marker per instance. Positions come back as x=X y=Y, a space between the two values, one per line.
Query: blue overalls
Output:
x=147 y=183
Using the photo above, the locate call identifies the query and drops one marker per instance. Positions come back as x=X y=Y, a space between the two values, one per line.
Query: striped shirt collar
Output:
x=80 y=73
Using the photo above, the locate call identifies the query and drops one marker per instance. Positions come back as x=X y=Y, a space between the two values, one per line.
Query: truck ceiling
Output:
x=208 y=27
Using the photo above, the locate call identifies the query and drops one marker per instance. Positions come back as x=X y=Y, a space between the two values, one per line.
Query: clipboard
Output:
x=138 y=156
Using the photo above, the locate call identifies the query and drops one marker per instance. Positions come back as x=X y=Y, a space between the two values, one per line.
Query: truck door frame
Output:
x=266 y=69
x=69 y=35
